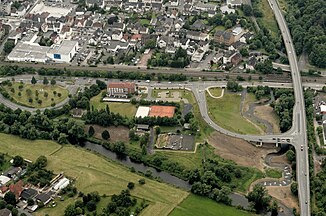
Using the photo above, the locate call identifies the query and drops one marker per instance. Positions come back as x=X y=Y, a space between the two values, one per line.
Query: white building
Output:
x=29 y=52
x=234 y=3
x=64 y=51
x=225 y=9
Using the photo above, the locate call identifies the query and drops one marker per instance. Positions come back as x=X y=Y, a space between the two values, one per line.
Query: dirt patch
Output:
x=284 y=195
x=119 y=133
x=240 y=151
x=144 y=59
x=267 y=113
x=280 y=159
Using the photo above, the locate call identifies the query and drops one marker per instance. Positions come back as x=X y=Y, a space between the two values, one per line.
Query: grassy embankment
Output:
x=92 y=173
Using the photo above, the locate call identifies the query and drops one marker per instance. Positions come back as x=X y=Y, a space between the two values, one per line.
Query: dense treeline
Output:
x=260 y=91
x=13 y=70
x=283 y=107
x=318 y=183
x=179 y=60
x=40 y=126
x=306 y=20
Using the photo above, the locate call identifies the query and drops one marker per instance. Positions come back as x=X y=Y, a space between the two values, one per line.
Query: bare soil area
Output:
x=284 y=195
x=267 y=113
x=119 y=133
x=240 y=151
x=280 y=159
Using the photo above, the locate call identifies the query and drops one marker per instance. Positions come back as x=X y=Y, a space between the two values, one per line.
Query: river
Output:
x=237 y=199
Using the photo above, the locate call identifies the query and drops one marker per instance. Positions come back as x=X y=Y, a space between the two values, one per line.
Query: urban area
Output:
x=162 y=107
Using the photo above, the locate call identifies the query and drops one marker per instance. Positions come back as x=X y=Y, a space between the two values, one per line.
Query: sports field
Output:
x=93 y=173
x=124 y=109
x=195 y=205
x=29 y=95
x=226 y=113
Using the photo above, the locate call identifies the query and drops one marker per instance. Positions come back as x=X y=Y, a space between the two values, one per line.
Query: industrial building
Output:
x=33 y=52
x=29 y=52
x=63 y=52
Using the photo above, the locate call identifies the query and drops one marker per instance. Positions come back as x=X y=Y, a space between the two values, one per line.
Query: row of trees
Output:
x=260 y=91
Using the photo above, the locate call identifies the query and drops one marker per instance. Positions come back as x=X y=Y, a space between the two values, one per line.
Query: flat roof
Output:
x=142 y=112
x=29 y=51
x=63 y=48
x=53 y=11
x=162 y=111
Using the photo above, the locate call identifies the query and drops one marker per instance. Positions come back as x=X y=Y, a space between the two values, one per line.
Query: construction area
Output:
x=172 y=141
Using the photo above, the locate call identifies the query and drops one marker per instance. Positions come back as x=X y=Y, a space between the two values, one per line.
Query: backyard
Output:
x=195 y=205
x=226 y=113
x=93 y=173
x=124 y=109
x=38 y=95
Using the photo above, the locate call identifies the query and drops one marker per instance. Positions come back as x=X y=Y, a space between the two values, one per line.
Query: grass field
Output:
x=216 y=92
x=93 y=173
x=42 y=91
x=124 y=109
x=268 y=18
x=195 y=205
x=273 y=173
x=226 y=113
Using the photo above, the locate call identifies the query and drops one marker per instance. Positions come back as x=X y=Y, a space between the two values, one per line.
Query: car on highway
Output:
x=301 y=147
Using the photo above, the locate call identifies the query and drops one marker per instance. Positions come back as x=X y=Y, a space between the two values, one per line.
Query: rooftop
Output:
x=29 y=50
x=64 y=48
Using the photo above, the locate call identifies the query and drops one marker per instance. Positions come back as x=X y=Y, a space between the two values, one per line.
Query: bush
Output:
x=131 y=185
x=141 y=181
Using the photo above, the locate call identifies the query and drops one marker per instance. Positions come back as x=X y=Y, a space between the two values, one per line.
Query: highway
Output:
x=299 y=126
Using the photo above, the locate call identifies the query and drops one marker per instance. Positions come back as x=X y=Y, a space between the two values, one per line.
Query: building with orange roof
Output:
x=162 y=111
x=17 y=188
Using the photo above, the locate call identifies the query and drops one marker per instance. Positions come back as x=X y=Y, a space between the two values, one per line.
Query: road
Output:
x=299 y=127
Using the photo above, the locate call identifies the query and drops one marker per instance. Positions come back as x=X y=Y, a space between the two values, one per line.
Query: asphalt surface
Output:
x=299 y=127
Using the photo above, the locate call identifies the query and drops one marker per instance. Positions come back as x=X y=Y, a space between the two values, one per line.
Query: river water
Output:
x=237 y=199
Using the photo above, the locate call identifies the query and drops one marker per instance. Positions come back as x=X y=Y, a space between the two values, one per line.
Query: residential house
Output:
x=45 y=198
x=5 y=212
x=198 y=55
x=115 y=46
x=121 y=89
x=92 y=3
x=5 y=7
x=252 y=61
x=236 y=45
x=199 y=36
x=237 y=32
x=20 y=12
x=28 y=193
x=236 y=59
x=17 y=188
x=117 y=35
x=226 y=10
x=116 y=26
x=198 y=25
x=234 y=3
x=224 y=37
x=205 y=7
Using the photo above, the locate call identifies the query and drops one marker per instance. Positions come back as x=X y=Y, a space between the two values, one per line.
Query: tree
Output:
x=53 y=82
x=10 y=198
x=157 y=130
x=91 y=206
x=33 y=81
x=141 y=181
x=228 y=24
x=8 y=47
x=46 y=94
x=244 y=52
x=45 y=81
x=247 y=10
x=70 y=210
x=274 y=208
x=91 y=131
x=110 y=60
x=259 y=198
x=294 y=188
x=131 y=185
x=41 y=162
x=290 y=155
x=18 y=161
x=30 y=201
x=105 y=135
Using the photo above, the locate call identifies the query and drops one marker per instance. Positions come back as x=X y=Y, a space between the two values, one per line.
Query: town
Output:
x=162 y=107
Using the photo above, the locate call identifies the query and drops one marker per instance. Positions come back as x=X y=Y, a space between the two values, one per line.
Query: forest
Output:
x=306 y=20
